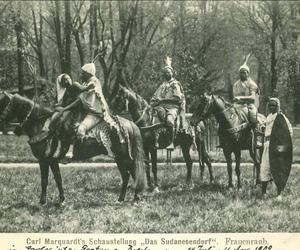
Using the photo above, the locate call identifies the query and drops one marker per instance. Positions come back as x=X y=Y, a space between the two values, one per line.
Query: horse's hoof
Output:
x=156 y=190
x=279 y=198
x=62 y=199
x=150 y=187
x=120 y=200
x=42 y=202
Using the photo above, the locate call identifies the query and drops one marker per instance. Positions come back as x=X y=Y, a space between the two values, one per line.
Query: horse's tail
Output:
x=138 y=158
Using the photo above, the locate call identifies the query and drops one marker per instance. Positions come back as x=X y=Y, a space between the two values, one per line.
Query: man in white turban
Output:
x=265 y=172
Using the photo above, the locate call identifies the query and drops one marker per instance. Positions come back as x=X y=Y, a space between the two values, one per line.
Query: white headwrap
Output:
x=59 y=89
x=89 y=68
x=276 y=100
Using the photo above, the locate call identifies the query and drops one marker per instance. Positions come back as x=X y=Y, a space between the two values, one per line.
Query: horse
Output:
x=141 y=113
x=129 y=156
x=234 y=132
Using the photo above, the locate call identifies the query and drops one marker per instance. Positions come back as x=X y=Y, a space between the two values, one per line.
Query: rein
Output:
x=27 y=116
x=207 y=106
x=8 y=110
x=141 y=116
x=237 y=128
x=128 y=96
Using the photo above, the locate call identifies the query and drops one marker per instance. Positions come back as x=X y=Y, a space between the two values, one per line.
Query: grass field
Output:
x=92 y=194
x=16 y=149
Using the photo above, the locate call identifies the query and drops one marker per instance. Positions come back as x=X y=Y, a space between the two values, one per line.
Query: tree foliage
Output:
x=128 y=41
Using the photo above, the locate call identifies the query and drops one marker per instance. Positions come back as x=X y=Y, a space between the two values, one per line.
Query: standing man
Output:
x=168 y=100
x=265 y=173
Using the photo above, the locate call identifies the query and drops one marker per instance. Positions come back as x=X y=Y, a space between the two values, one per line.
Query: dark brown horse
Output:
x=32 y=117
x=234 y=132
x=140 y=112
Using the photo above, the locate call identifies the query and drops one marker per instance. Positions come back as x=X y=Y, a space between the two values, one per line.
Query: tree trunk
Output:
x=275 y=24
x=79 y=47
x=20 y=46
x=57 y=26
x=39 y=43
x=68 y=30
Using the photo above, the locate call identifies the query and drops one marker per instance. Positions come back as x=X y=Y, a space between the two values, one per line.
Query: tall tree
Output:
x=20 y=49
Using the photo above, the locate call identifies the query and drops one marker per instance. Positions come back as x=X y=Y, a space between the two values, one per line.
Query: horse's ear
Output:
x=8 y=95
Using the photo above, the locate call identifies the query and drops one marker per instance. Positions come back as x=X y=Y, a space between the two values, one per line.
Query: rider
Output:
x=168 y=100
x=67 y=92
x=93 y=101
x=246 y=94
x=265 y=173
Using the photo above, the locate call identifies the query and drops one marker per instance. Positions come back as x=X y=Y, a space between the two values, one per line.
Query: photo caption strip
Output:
x=240 y=241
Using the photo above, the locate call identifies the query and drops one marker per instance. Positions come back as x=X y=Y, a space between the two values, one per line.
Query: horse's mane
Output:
x=139 y=99
x=227 y=104
x=21 y=100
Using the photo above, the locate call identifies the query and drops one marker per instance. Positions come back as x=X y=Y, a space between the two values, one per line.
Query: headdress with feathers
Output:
x=168 y=62
x=245 y=66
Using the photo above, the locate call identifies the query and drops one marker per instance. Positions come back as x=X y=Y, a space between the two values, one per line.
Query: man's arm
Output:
x=70 y=106
x=82 y=88
x=155 y=99
x=248 y=98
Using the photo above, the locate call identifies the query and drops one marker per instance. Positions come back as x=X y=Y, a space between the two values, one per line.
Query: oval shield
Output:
x=281 y=152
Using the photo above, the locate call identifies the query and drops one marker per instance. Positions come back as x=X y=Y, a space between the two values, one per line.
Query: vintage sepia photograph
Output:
x=149 y=117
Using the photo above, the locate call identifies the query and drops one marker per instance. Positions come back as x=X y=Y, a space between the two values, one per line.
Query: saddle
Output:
x=159 y=127
x=240 y=122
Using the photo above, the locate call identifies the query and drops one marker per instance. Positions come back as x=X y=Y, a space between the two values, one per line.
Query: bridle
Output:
x=140 y=118
x=8 y=109
x=142 y=115
x=27 y=116
x=206 y=108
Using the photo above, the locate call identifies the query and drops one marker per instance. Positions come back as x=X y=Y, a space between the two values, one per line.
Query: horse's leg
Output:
x=256 y=159
x=200 y=158
x=125 y=178
x=154 y=166
x=207 y=161
x=147 y=154
x=237 y=154
x=227 y=154
x=189 y=163
x=57 y=177
x=44 y=168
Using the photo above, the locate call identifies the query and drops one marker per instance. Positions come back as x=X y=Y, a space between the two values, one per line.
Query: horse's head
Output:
x=5 y=106
x=17 y=107
x=4 y=100
x=120 y=101
x=203 y=109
